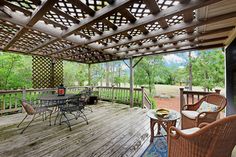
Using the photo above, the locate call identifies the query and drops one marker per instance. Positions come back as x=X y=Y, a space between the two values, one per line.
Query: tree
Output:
x=149 y=71
x=75 y=73
x=15 y=71
x=208 y=69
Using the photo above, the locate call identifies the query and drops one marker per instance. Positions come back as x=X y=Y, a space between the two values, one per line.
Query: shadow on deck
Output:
x=113 y=130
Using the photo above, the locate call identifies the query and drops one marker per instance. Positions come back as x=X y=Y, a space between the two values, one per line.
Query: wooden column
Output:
x=131 y=82
x=89 y=74
x=230 y=67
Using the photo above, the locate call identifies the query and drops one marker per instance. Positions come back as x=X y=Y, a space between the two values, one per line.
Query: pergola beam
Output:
x=176 y=46
x=182 y=50
x=169 y=12
x=174 y=28
x=35 y=17
x=21 y=20
x=100 y=14
x=174 y=39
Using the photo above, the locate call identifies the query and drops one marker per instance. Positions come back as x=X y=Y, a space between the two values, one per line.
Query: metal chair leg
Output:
x=22 y=121
x=60 y=119
x=67 y=121
x=28 y=124
x=50 y=117
x=83 y=116
x=55 y=121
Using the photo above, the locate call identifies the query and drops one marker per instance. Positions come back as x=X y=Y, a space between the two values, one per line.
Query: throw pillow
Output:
x=207 y=107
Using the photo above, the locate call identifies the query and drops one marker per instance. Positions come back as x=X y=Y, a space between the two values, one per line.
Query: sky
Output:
x=178 y=59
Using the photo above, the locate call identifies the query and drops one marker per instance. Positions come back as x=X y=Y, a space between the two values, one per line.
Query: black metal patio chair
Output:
x=72 y=106
x=32 y=110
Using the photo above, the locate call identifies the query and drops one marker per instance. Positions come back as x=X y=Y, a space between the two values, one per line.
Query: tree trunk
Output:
x=190 y=71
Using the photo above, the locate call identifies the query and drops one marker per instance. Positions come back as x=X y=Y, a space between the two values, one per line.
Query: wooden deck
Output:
x=113 y=130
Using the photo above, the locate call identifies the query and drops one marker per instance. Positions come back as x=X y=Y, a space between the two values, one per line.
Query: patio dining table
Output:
x=53 y=100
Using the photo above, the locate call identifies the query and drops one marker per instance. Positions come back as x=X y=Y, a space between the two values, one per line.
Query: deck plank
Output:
x=113 y=130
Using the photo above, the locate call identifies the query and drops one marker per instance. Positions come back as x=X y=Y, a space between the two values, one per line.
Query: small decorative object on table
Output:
x=162 y=113
x=61 y=91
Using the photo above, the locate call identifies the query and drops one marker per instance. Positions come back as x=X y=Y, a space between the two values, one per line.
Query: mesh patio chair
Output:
x=191 y=117
x=74 y=107
x=32 y=110
x=216 y=139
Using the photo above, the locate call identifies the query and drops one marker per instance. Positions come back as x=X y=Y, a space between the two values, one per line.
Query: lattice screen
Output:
x=46 y=72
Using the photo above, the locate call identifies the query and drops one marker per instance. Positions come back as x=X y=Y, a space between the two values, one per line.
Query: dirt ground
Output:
x=169 y=103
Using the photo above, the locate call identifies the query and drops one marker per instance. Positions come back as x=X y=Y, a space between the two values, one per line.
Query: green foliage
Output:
x=149 y=71
x=208 y=69
x=97 y=74
x=15 y=71
x=75 y=74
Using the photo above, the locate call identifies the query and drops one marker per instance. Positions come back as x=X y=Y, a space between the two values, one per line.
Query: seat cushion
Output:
x=207 y=107
x=190 y=130
x=190 y=114
x=28 y=108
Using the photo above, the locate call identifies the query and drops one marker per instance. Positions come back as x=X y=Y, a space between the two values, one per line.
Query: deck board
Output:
x=113 y=130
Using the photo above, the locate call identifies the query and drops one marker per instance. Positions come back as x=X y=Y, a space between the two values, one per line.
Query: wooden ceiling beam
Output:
x=35 y=17
x=154 y=8
x=182 y=50
x=169 y=12
x=174 y=28
x=21 y=20
x=40 y=11
x=82 y=6
x=173 y=46
x=175 y=39
x=100 y=14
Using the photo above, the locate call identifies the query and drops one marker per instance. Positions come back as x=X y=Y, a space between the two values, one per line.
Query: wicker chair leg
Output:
x=22 y=121
x=28 y=124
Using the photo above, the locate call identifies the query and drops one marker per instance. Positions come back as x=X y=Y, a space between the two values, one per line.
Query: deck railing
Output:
x=191 y=97
x=10 y=99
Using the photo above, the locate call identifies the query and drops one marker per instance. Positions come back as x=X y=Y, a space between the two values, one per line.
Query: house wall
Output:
x=231 y=78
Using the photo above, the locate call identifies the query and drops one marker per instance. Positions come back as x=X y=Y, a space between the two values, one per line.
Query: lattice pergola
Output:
x=94 y=31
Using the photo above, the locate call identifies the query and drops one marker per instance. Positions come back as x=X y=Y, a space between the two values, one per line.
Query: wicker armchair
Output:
x=196 y=118
x=216 y=139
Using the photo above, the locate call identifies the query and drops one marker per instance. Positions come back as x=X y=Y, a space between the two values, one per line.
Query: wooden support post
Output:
x=112 y=96
x=142 y=87
x=217 y=91
x=89 y=74
x=131 y=83
x=181 y=98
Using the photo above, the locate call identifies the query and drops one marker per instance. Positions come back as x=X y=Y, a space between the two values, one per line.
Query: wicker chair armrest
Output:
x=203 y=125
x=192 y=107
x=206 y=114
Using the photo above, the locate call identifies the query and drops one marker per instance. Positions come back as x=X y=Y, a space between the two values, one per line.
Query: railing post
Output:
x=217 y=91
x=112 y=94
x=23 y=94
x=142 y=90
x=181 y=98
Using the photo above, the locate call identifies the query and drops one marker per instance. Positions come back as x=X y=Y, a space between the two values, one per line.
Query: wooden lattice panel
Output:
x=7 y=32
x=92 y=31
x=30 y=40
x=58 y=72
x=60 y=44
x=46 y=72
